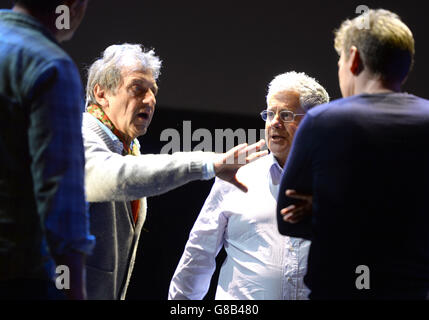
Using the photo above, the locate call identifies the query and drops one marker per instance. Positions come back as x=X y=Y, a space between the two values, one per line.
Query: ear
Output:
x=75 y=6
x=356 y=64
x=101 y=96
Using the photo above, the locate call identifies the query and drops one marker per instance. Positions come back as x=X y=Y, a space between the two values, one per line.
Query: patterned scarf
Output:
x=132 y=149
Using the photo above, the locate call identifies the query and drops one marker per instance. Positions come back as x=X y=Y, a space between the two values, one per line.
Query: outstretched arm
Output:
x=113 y=177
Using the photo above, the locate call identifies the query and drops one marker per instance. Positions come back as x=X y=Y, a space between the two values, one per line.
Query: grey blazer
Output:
x=111 y=182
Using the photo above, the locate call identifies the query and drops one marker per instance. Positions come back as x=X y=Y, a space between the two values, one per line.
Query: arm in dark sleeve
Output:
x=297 y=175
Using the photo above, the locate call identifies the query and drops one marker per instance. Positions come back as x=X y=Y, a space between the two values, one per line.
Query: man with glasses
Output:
x=260 y=263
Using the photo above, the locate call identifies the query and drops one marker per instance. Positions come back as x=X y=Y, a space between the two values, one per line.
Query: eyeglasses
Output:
x=285 y=115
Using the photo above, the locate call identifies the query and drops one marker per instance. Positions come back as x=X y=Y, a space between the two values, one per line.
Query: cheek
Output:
x=342 y=79
x=267 y=141
x=149 y=120
x=291 y=129
x=130 y=109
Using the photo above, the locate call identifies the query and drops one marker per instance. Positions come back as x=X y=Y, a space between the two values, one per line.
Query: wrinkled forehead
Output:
x=139 y=75
x=285 y=100
x=136 y=71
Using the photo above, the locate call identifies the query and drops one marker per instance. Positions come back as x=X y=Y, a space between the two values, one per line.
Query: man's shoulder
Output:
x=27 y=33
x=369 y=110
x=91 y=125
x=356 y=104
x=417 y=100
x=365 y=100
x=94 y=134
x=334 y=106
x=32 y=59
x=32 y=46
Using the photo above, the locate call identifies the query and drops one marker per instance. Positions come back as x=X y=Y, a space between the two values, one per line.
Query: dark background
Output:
x=218 y=58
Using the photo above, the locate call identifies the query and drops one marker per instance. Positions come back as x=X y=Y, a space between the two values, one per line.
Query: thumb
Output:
x=238 y=184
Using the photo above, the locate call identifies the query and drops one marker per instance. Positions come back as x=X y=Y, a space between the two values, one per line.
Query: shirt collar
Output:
x=275 y=170
x=29 y=21
x=114 y=138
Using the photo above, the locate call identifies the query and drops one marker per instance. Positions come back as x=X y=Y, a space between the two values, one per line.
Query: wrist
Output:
x=209 y=170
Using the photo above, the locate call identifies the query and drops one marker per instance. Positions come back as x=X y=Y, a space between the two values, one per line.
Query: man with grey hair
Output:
x=260 y=263
x=121 y=94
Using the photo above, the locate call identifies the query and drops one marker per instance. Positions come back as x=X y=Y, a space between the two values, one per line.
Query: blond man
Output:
x=363 y=162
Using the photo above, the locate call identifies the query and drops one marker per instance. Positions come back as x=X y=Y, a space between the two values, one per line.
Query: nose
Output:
x=276 y=122
x=149 y=99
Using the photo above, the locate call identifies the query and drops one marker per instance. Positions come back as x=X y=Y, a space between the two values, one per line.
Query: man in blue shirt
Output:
x=365 y=161
x=43 y=213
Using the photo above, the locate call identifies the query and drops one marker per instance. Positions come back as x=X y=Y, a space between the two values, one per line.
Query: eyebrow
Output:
x=152 y=85
x=275 y=108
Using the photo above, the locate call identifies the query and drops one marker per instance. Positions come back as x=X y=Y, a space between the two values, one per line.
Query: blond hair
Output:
x=385 y=43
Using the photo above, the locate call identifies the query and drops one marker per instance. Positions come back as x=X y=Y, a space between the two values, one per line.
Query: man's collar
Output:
x=29 y=21
x=276 y=170
x=112 y=136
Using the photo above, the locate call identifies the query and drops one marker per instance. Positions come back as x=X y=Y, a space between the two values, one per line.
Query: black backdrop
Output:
x=220 y=55
x=218 y=59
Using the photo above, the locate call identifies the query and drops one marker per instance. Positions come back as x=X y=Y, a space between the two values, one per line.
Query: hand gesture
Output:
x=227 y=164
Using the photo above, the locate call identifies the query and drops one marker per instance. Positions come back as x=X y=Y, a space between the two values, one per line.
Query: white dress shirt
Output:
x=260 y=263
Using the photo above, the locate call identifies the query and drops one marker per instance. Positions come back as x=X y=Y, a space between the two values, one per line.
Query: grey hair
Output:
x=107 y=70
x=311 y=93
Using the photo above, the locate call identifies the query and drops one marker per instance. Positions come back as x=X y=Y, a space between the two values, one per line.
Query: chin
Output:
x=279 y=147
x=142 y=132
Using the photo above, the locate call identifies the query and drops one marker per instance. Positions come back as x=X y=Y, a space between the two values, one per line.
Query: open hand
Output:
x=227 y=164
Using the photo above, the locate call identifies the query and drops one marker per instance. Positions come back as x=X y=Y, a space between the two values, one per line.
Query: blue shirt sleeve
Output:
x=208 y=170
